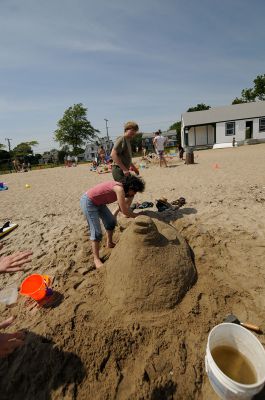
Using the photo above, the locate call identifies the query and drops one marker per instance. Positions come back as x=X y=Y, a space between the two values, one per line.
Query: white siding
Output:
x=240 y=131
x=256 y=133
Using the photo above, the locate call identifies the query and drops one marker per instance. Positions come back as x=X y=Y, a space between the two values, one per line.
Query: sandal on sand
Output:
x=146 y=204
x=7 y=227
x=179 y=202
x=162 y=204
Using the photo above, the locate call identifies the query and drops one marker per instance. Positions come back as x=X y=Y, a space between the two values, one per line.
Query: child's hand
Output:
x=15 y=262
x=9 y=341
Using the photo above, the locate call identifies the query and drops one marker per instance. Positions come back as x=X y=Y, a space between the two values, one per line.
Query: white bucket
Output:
x=235 y=336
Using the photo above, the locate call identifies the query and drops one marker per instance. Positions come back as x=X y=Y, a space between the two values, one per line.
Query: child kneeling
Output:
x=93 y=204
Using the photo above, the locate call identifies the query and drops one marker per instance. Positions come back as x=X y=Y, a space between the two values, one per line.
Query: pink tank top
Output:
x=103 y=193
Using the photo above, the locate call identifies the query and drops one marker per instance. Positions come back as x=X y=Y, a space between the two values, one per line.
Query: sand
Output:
x=82 y=346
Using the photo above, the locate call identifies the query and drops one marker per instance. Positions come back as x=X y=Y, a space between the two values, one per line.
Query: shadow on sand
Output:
x=170 y=215
x=38 y=369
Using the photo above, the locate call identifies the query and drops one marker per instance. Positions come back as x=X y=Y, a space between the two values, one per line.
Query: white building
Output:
x=244 y=122
x=92 y=148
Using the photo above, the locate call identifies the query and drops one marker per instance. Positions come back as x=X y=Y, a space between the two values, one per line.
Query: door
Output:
x=249 y=129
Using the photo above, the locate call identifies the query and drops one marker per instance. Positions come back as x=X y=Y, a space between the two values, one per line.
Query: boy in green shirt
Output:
x=121 y=154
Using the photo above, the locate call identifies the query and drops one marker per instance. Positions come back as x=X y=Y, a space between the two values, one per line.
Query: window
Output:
x=229 y=128
x=262 y=124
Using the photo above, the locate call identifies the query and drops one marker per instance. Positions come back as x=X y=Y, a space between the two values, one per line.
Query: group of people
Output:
x=159 y=142
x=70 y=161
x=122 y=189
x=21 y=167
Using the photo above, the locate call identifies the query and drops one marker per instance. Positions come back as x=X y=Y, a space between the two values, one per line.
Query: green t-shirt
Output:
x=124 y=150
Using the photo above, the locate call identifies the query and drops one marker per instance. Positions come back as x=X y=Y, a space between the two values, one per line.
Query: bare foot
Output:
x=98 y=263
x=110 y=245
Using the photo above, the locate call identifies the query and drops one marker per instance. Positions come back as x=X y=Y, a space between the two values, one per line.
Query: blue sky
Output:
x=142 y=60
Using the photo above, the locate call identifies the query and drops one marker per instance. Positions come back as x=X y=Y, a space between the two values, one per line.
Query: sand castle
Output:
x=150 y=269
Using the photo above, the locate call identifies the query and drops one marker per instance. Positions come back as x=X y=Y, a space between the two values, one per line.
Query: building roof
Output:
x=227 y=113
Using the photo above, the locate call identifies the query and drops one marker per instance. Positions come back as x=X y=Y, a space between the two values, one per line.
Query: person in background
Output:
x=69 y=161
x=101 y=155
x=181 y=151
x=9 y=264
x=159 y=145
x=94 y=206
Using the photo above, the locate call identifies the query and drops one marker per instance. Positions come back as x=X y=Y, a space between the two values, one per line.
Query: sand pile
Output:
x=150 y=269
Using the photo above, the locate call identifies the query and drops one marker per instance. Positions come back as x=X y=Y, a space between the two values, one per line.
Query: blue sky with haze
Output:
x=142 y=60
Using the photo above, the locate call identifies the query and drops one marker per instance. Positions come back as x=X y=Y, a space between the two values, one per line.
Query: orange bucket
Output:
x=34 y=286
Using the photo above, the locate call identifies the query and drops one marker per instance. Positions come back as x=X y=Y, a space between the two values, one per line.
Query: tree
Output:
x=24 y=149
x=2 y=146
x=199 y=107
x=4 y=155
x=253 y=94
x=177 y=127
x=137 y=141
x=74 y=129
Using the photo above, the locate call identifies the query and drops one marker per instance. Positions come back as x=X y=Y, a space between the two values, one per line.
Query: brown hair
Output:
x=131 y=125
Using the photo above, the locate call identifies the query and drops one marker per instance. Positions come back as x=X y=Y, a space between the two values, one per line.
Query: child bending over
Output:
x=93 y=204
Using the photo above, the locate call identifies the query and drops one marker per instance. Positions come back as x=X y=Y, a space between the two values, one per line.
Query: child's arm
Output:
x=122 y=203
x=134 y=169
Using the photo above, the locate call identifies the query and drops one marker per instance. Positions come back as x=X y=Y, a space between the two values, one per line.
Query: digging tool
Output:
x=233 y=319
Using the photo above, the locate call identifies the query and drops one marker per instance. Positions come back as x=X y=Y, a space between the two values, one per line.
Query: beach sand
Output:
x=77 y=346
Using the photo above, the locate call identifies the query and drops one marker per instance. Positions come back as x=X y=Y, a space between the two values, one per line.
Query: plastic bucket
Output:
x=228 y=334
x=34 y=286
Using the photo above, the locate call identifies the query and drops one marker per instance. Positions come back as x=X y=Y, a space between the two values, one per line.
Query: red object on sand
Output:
x=34 y=286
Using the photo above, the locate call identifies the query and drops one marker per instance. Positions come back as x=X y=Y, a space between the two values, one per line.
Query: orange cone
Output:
x=216 y=166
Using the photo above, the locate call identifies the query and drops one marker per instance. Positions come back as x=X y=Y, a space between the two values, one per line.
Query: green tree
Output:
x=74 y=129
x=137 y=141
x=177 y=127
x=238 y=100
x=199 y=107
x=253 y=94
x=24 y=149
x=2 y=146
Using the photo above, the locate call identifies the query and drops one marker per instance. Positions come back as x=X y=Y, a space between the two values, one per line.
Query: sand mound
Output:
x=150 y=269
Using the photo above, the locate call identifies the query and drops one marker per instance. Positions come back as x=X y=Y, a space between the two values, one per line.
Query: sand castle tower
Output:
x=150 y=269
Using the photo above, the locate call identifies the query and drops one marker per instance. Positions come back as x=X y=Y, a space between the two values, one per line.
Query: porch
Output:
x=200 y=136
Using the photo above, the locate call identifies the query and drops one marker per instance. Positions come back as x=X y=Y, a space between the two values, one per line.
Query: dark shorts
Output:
x=160 y=153
x=117 y=173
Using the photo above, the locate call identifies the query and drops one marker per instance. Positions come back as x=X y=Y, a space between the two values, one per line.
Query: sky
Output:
x=142 y=60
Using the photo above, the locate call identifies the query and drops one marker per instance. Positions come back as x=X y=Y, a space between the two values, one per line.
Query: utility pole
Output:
x=9 y=145
x=107 y=129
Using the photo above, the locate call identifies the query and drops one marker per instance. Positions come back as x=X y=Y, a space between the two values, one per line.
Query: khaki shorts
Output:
x=117 y=173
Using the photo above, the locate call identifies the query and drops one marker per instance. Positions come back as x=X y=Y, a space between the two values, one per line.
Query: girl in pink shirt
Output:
x=94 y=206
